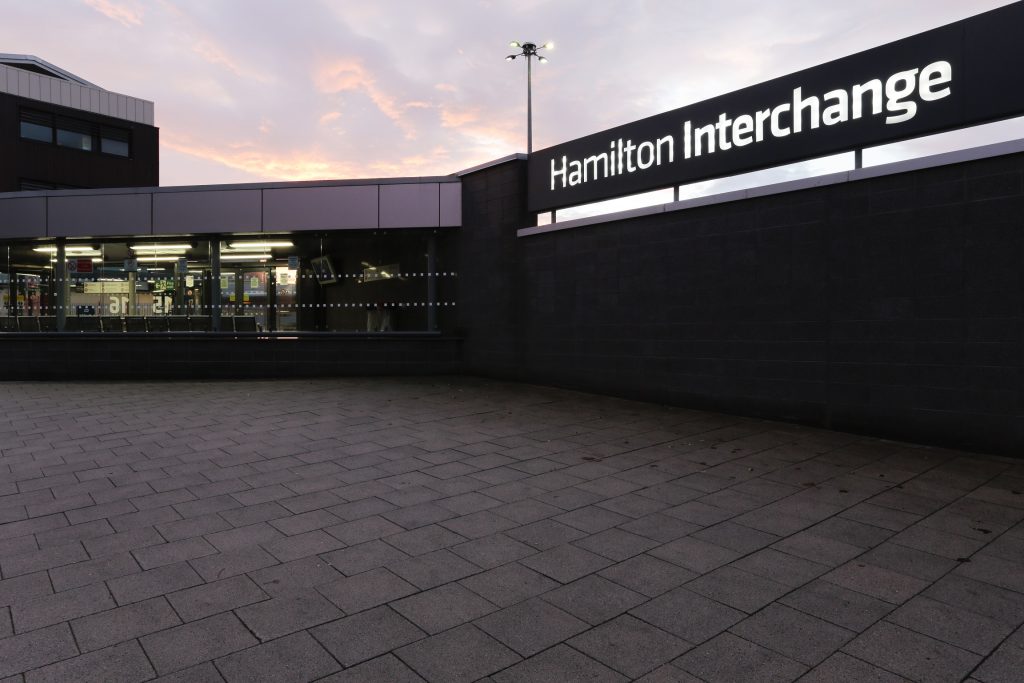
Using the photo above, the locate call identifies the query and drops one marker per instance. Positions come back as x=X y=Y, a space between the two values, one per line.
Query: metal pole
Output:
x=62 y=285
x=215 y=294
x=432 y=282
x=529 y=104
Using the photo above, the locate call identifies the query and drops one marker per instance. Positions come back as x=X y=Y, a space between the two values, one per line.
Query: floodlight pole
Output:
x=529 y=50
x=529 y=104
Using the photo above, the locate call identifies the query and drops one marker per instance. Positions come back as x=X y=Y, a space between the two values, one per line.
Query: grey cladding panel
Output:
x=414 y=205
x=320 y=208
x=23 y=217
x=205 y=212
x=451 y=204
x=88 y=216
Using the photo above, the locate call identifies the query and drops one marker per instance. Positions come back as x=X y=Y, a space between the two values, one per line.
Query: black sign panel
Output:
x=958 y=75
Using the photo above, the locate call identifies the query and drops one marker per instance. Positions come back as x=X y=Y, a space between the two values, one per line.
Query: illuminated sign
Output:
x=950 y=77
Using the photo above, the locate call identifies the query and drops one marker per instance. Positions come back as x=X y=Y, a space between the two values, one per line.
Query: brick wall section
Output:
x=890 y=305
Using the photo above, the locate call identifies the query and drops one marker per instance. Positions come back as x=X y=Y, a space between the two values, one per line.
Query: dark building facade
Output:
x=58 y=131
x=887 y=301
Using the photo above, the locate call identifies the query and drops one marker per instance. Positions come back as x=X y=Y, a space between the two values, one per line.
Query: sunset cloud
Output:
x=126 y=14
x=350 y=75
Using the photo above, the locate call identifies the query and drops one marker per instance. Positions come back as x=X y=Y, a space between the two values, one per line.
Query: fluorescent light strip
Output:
x=258 y=246
x=245 y=257
x=162 y=248
x=69 y=251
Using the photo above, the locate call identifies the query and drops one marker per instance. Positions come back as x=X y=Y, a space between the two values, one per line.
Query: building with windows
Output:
x=886 y=299
x=58 y=131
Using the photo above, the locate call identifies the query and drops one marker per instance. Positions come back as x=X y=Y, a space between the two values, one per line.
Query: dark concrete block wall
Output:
x=890 y=305
x=71 y=357
x=490 y=300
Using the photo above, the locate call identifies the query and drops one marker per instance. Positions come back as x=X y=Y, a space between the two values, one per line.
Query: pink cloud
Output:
x=125 y=14
x=350 y=75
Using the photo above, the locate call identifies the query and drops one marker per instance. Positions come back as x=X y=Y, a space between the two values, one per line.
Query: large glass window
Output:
x=369 y=282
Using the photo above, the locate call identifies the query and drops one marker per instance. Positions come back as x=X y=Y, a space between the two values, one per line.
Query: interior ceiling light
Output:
x=260 y=246
x=156 y=259
x=160 y=248
x=245 y=257
x=69 y=251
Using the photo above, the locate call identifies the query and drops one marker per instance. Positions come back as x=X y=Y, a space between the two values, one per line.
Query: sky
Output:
x=260 y=90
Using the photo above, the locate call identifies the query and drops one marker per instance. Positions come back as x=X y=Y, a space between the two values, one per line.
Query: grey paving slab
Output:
x=509 y=584
x=560 y=663
x=125 y=662
x=531 y=626
x=594 y=599
x=630 y=646
x=566 y=563
x=372 y=588
x=439 y=609
x=731 y=659
x=297 y=657
x=979 y=597
x=53 y=609
x=694 y=554
x=1004 y=666
x=648 y=575
x=911 y=654
x=737 y=588
x=838 y=605
x=35 y=649
x=212 y=598
x=797 y=635
x=384 y=669
x=461 y=654
x=607 y=532
x=689 y=616
x=363 y=557
x=875 y=581
x=957 y=626
x=366 y=635
x=843 y=667
x=123 y=624
x=198 y=641
x=492 y=551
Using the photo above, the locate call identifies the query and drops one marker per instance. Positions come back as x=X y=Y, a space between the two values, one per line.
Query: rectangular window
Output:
x=36 y=126
x=116 y=141
x=74 y=134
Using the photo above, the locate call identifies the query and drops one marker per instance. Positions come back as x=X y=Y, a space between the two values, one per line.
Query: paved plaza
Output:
x=457 y=529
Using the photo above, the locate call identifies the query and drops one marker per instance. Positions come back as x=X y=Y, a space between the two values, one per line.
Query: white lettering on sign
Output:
x=895 y=98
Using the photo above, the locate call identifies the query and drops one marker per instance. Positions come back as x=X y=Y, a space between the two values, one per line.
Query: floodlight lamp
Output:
x=510 y=58
x=542 y=60
x=514 y=43
x=549 y=45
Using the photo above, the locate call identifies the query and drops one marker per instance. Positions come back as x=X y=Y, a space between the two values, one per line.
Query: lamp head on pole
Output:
x=529 y=50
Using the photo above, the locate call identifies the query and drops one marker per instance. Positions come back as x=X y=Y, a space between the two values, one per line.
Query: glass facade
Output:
x=345 y=282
